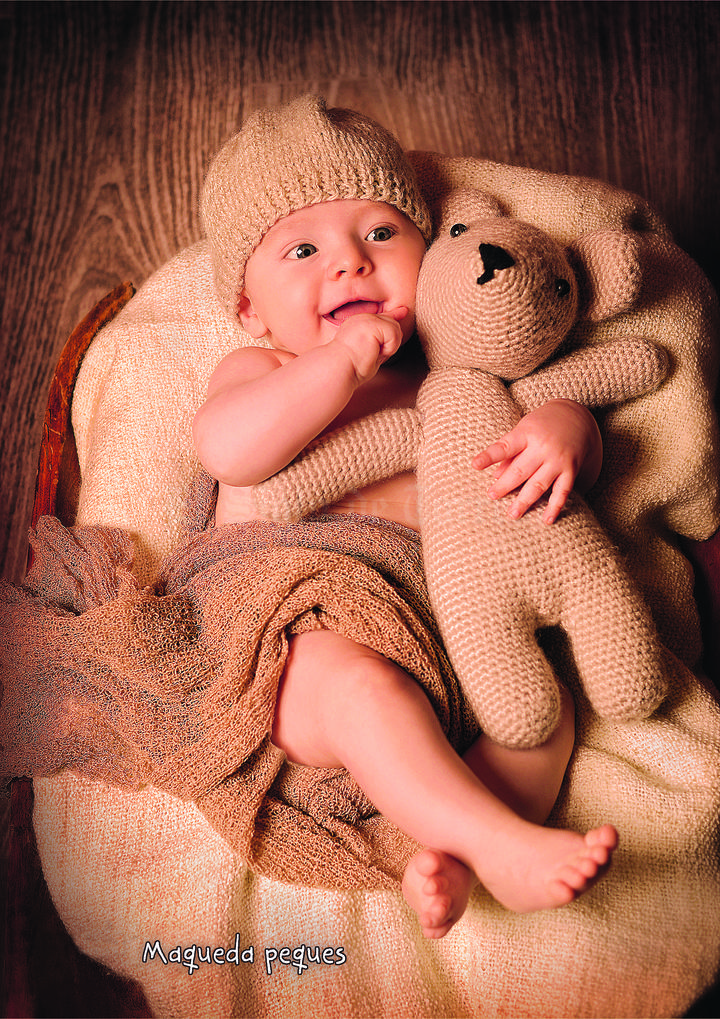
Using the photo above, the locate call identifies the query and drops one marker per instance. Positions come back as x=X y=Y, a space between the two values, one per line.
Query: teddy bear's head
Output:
x=500 y=295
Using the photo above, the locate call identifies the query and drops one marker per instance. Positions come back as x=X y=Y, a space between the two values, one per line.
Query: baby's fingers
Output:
x=391 y=331
x=558 y=497
x=398 y=313
x=535 y=488
x=532 y=491
x=503 y=449
x=526 y=467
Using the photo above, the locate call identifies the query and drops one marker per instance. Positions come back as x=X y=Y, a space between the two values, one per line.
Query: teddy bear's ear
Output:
x=464 y=205
x=607 y=265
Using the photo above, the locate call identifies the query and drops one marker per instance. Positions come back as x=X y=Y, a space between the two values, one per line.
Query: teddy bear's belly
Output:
x=462 y=412
x=474 y=551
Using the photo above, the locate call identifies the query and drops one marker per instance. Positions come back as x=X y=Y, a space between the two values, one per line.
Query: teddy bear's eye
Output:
x=457 y=229
x=562 y=288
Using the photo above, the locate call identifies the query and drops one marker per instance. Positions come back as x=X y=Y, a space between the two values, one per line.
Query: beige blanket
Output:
x=125 y=868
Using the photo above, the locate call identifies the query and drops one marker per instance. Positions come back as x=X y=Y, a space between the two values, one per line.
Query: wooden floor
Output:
x=111 y=111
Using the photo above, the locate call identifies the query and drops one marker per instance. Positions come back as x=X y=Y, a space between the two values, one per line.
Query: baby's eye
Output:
x=381 y=233
x=302 y=251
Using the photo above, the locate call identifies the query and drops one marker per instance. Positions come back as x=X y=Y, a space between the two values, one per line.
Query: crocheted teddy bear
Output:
x=496 y=297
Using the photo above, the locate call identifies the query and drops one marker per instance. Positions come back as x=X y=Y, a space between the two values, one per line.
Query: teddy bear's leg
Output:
x=505 y=676
x=613 y=638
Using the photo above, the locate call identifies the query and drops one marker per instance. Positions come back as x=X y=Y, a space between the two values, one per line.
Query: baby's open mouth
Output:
x=345 y=311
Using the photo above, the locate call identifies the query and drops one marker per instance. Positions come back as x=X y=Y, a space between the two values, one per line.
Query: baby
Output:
x=318 y=229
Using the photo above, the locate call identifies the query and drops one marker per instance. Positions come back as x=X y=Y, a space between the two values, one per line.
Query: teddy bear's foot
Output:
x=524 y=715
x=630 y=682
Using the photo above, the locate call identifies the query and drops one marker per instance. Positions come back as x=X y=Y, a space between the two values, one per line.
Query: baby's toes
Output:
x=576 y=875
x=605 y=837
x=437 y=918
x=429 y=862
x=600 y=855
x=438 y=911
x=562 y=889
x=589 y=866
x=435 y=885
x=437 y=932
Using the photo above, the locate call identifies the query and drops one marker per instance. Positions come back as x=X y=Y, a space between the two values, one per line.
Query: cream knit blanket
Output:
x=130 y=870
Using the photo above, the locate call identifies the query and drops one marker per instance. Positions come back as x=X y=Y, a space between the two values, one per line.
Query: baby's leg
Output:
x=342 y=704
x=528 y=781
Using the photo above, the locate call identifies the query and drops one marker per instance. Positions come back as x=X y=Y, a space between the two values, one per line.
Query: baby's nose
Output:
x=351 y=261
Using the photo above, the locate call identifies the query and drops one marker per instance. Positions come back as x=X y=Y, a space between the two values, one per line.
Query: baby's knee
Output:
x=330 y=681
x=323 y=650
x=368 y=676
x=311 y=696
x=358 y=679
x=336 y=667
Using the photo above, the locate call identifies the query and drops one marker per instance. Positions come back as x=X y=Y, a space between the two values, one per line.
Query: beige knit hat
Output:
x=286 y=158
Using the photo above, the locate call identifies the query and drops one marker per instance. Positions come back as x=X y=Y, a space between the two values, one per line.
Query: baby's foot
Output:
x=437 y=887
x=546 y=867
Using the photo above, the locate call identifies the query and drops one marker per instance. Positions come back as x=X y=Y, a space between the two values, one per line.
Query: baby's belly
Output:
x=394 y=499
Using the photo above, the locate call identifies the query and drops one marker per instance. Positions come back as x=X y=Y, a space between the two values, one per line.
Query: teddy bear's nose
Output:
x=493 y=258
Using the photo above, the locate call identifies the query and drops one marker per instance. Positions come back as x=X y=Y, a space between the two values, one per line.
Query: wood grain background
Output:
x=111 y=111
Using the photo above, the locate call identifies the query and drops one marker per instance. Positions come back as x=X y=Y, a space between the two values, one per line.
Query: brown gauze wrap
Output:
x=175 y=686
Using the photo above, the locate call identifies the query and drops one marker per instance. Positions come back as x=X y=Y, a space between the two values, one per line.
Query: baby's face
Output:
x=317 y=266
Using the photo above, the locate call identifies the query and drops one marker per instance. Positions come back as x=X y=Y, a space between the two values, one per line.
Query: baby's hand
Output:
x=551 y=448
x=371 y=340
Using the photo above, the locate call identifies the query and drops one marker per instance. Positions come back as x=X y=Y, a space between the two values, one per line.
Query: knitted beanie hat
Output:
x=288 y=157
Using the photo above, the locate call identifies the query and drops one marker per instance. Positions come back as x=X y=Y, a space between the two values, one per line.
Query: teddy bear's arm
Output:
x=367 y=450
x=595 y=376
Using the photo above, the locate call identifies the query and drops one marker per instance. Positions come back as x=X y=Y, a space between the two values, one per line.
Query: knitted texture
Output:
x=387 y=443
x=371 y=448
x=616 y=371
x=288 y=157
x=497 y=297
x=176 y=686
x=495 y=581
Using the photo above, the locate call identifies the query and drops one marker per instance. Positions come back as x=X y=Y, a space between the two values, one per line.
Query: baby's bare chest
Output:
x=394 y=498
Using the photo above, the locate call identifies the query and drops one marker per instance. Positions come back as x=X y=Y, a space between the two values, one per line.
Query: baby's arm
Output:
x=264 y=405
x=560 y=444
x=556 y=445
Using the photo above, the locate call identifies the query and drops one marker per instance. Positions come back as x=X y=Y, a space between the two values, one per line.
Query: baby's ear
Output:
x=249 y=318
x=464 y=205
x=607 y=266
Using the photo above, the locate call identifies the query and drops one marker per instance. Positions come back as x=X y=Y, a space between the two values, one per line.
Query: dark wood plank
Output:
x=56 y=471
